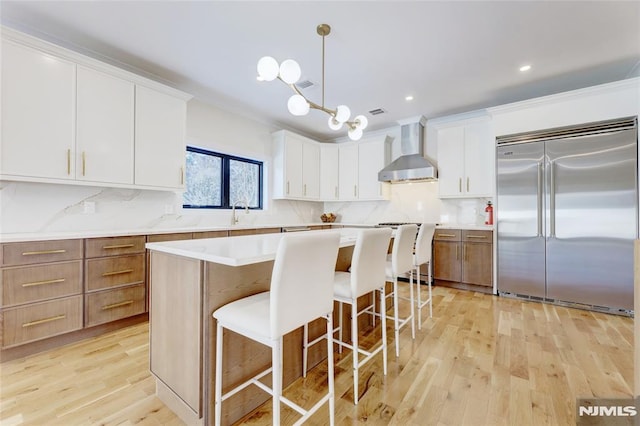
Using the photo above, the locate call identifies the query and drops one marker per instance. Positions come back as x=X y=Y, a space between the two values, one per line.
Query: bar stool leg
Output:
x=340 y=326
x=418 y=297
x=354 y=342
x=305 y=348
x=218 y=384
x=430 y=299
x=396 y=316
x=276 y=376
x=413 y=325
x=332 y=400
x=383 y=323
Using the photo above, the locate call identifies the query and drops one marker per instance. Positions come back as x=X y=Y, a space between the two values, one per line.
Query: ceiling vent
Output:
x=304 y=84
x=377 y=111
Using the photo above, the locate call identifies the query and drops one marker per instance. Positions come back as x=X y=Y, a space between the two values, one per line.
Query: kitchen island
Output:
x=189 y=280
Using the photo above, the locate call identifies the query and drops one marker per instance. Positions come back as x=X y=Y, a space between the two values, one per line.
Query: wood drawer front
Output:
x=447 y=234
x=41 y=320
x=114 y=246
x=35 y=283
x=158 y=238
x=114 y=271
x=477 y=236
x=111 y=305
x=210 y=234
x=32 y=252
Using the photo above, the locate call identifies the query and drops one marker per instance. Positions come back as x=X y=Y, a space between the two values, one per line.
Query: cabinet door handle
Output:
x=44 y=320
x=287 y=187
x=335 y=191
x=460 y=185
x=68 y=161
x=117 y=305
x=476 y=236
x=84 y=163
x=304 y=189
x=35 y=283
x=355 y=190
x=124 y=271
x=181 y=175
x=31 y=253
x=464 y=253
x=467 y=184
x=457 y=252
x=117 y=246
x=446 y=235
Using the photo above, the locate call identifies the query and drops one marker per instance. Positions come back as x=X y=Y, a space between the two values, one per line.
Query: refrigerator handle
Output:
x=539 y=199
x=552 y=200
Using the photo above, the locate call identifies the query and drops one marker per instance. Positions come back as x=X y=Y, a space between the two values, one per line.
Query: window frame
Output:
x=225 y=179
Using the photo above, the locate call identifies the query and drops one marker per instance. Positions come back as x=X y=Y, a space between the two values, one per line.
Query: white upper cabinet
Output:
x=373 y=156
x=348 y=172
x=311 y=170
x=329 y=175
x=104 y=128
x=38 y=114
x=296 y=173
x=160 y=147
x=67 y=118
x=359 y=164
x=466 y=153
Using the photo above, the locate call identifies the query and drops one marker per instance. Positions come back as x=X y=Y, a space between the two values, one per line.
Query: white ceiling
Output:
x=452 y=56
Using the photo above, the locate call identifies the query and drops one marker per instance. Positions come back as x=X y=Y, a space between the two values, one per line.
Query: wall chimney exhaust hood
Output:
x=411 y=165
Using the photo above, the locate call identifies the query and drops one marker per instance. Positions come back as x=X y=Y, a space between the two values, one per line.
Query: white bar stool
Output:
x=422 y=256
x=399 y=262
x=301 y=291
x=366 y=275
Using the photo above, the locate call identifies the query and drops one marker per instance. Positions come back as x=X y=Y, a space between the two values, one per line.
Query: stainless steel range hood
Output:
x=411 y=165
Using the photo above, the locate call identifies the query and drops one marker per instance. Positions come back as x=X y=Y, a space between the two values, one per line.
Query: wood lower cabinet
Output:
x=115 y=283
x=40 y=290
x=463 y=257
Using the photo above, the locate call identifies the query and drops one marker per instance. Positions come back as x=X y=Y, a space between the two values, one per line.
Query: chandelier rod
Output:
x=323 y=33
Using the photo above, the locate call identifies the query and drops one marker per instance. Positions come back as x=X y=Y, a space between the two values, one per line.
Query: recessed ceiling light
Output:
x=408 y=98
x=525 y=68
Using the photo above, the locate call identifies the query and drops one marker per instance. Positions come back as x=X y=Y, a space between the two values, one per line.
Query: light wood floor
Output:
x=480 y=360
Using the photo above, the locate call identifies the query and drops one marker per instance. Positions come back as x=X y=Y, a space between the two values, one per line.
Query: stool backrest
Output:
x=368 y=261
x=424 y=242
x=402 y=254
x=302 y=279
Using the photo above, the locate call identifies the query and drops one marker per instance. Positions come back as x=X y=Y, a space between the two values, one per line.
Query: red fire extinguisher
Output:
x=488 y=214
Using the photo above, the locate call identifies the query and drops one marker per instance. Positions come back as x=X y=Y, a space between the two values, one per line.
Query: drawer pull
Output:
x=124 y=271
x=476 y=236
x=117 y=305
x=117 y=246
x=446 y=235
x=44 y=320
x=35 y=283
x=31 y=253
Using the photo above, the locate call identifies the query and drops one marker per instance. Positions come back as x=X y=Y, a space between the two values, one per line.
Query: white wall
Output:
x=34 y=207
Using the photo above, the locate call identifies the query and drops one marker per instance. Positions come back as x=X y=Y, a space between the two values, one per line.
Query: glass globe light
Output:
x=355 y=133
x=298 y=105
x=334 y=124
x=342 y=113
x=268 y=68
x=290 y=71
x=361 y=121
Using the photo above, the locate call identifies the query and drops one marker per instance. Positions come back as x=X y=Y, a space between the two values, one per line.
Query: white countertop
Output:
x=238 y=251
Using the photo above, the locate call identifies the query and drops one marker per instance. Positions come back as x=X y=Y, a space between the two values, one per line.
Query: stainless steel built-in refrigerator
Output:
x=567 y=214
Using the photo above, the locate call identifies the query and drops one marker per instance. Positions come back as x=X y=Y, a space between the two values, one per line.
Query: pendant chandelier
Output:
x=289 y=73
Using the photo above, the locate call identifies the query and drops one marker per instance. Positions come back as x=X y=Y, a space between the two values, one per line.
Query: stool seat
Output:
x=248 y=316
x=342 y=285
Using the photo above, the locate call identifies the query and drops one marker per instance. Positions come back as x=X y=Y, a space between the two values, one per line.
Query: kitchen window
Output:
x=218 y=181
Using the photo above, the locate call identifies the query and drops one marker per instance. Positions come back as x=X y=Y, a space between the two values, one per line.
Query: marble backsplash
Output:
x=47 y=208
x=53 y=208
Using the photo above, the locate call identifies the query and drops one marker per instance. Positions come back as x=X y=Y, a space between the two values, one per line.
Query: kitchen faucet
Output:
x=234 y=218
